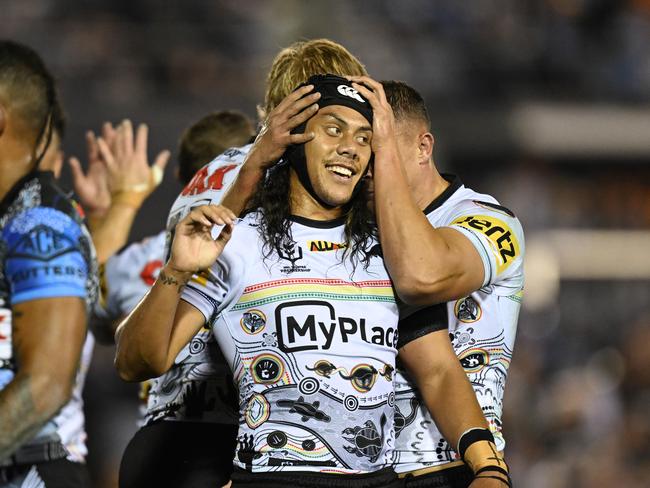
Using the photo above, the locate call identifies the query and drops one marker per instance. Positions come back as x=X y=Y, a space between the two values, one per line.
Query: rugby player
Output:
x=48 y=282
x=194 y=402
x=304 y=312
x=443 y=242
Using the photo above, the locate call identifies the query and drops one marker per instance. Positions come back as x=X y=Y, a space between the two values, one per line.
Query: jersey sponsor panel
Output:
x=46 y=252
x=482 y=326
x=312 y=344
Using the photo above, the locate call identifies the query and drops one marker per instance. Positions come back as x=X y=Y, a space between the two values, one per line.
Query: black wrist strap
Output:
x=505 y=482
x=496 y=469
x=470 y=437
x=492 y=468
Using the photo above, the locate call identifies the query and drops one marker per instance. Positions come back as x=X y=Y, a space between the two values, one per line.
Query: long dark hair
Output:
x=272 y=200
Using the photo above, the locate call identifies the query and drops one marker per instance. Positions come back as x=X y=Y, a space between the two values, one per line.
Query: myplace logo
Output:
x=348 y=91
x=308 y=325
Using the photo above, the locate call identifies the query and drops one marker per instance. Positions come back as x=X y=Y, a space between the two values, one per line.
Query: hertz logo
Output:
x=321 y=246
x=503 y=240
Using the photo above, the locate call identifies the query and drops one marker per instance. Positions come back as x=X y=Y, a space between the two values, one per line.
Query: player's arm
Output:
x=427 y=354
x=153 y=334
x=270 y=144
x=427 y=265
x=48 y=336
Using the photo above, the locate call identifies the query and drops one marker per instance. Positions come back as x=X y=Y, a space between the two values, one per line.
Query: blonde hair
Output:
x=296 y=63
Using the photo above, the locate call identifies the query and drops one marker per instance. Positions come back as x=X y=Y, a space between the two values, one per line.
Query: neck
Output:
x=430 y=186
x=305 y=205
x=16 y=158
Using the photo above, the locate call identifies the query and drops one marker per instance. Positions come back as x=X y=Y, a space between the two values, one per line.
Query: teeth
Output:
x=340 y=170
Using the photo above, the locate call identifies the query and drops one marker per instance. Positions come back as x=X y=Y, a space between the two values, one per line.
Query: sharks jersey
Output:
x=311 y=341
x=482 y=326
x=45 y=252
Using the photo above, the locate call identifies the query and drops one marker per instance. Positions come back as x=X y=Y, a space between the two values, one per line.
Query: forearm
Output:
x=451 y=400
x=24 y=409
x=427 y=265
x=112 y=232
x=144 y=337
x=245 y=185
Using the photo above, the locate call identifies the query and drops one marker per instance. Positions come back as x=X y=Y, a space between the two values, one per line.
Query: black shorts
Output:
x=59 y=473
x=386 y=478
x=179 y=455
x=454 y=477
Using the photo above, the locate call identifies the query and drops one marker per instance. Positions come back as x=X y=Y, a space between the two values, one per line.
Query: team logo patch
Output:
x=267 y=368
x=293 y=254
x=257 y=411
x=467 y=310
x=253 y=321
x=43 y=243
x=503 y=241
x=348 y=91
x=473 y=360
x=323 y=246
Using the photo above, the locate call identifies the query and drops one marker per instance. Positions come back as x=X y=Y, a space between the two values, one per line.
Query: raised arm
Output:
x=427 y=264
x=270 y=144
x=150 y=338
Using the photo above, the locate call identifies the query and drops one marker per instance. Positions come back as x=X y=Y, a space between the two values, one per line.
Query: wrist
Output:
x=477 y=448
x=178 y=273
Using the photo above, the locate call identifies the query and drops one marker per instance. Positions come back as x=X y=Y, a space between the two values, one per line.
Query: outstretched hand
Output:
x=92 y=187
x=194 y=248
x=130 y=177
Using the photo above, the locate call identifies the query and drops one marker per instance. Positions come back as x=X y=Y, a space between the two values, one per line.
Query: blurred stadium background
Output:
x=543 y=103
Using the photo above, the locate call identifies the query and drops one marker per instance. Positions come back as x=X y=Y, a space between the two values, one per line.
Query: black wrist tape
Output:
x=472 y=436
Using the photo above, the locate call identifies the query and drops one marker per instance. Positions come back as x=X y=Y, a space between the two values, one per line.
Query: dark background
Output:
x=543 y=103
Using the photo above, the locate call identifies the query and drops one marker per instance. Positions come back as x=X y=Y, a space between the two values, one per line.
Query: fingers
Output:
x=299 y=106
x=106 y=154
x=108 y=134
x=294 y=96
x=91 y=146
x=302 y=116
x=158 y=168
x=301 y=138
x=78 y=176
x=162 y=159
x=127 y=136
x=141 y=140
x=225 y=234
x=210 y=215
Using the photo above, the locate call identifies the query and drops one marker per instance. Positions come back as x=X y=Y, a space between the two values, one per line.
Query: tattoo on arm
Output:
x=166 y=279
x=19 y=418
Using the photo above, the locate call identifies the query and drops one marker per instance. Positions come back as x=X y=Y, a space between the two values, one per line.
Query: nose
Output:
x=348 y=146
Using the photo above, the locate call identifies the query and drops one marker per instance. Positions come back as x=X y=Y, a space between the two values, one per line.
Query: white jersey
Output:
x=312 y=345
x=482 y=326
x=199 y=386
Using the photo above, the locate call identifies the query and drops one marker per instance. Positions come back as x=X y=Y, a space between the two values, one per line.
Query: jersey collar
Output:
x=454 y=184
x=318 y=224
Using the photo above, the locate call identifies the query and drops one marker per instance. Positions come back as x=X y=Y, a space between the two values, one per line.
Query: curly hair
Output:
x=273 y=201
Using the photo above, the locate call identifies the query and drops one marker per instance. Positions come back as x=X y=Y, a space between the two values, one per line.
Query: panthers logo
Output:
x=253 y=322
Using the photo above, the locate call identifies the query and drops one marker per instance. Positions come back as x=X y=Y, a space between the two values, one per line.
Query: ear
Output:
x=425 y=146
x=3 y=119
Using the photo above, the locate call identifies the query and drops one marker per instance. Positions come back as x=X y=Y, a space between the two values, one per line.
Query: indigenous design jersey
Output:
x=198 y=387
x=312 y=344
x=482 y=326
x=45 y=252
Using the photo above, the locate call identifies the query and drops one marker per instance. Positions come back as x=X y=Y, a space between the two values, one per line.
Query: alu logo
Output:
x=348 y=91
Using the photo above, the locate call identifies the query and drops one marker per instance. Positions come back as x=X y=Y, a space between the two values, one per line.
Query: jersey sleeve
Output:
x=44 y=258
x=498 y=237
x=417 y=322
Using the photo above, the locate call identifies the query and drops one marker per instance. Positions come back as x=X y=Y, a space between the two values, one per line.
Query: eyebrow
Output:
x=343 y=122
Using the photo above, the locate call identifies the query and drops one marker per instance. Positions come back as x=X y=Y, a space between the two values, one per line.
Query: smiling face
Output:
x=338 y=155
